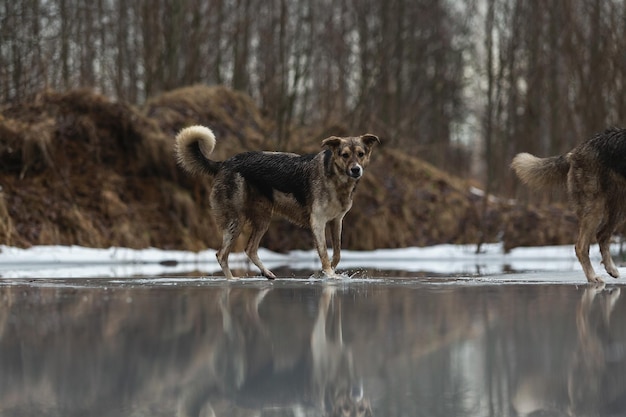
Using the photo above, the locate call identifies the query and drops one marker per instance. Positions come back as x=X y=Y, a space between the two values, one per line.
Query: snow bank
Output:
x=76 y=261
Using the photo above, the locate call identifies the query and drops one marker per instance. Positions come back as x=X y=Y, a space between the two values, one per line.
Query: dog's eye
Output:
x=345 y=155
x=361 y=154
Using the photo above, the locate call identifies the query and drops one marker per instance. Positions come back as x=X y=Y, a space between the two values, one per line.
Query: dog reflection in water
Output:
x=589 y=383
x=249 y=374
x=333 y=370
x=592 y=383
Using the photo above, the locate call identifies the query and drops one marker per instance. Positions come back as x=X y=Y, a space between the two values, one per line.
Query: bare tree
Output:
x=551 y=73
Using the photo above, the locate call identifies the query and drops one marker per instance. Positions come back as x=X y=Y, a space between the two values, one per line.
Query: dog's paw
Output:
x=595 y=279
x=333 y=275
x=613 y=272
x=269 y=274
x=611 y=269
x=595 y=288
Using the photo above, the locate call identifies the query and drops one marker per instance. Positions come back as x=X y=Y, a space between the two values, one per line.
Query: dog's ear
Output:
x=332 y=142
x=369 y=140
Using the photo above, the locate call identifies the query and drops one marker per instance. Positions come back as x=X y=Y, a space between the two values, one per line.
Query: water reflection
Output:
x=409 y=348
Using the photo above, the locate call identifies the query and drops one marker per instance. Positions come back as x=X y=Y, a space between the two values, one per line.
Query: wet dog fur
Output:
x=594 y=174
x=310 y=190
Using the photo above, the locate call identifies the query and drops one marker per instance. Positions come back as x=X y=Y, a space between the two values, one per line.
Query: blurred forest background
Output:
x=462 y=84
x=92 y=94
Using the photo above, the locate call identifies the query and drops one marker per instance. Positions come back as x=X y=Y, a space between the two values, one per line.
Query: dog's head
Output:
x=351 y=404
x=350 y=155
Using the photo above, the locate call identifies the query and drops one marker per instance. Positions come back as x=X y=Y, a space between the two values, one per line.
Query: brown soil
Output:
x=79 y=169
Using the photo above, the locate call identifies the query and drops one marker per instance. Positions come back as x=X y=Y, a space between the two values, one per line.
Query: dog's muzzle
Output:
x=356 y=171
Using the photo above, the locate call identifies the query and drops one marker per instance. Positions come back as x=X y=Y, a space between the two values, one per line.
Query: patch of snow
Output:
x=81 y=262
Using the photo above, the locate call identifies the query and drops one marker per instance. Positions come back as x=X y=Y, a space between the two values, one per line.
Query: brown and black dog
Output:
x=594 y=173
x=309 y=190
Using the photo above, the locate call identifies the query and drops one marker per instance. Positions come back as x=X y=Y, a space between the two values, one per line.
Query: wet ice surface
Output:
x=393 y=337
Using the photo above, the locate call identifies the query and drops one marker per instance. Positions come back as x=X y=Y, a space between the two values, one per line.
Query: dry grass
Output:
x=6 y=222
x=78 y=168
x=233 y=116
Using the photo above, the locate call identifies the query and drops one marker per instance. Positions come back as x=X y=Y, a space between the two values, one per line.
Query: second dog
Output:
x=594 y=174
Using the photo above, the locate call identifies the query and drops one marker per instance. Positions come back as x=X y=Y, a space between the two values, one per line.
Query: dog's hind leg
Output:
x=259 y=227
x=230 y=234
x=604 y=238
x=588 y=226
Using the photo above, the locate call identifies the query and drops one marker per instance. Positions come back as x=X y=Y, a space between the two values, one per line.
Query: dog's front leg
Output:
x=318 y=227
x=335 y=234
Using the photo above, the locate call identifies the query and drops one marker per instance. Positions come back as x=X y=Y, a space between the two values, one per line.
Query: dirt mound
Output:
x=78 y=168
x=233 y=117
x=405 y=201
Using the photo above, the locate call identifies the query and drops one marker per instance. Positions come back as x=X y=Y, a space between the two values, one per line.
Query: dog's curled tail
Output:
x=193 y=146
x=541 y=172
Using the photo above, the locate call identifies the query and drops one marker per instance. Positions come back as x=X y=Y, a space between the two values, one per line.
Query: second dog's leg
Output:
x=607 y=260
x=586 y=230
x=604 y=238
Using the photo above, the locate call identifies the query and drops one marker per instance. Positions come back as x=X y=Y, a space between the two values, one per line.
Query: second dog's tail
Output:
x=193 y=146
x=541 y=172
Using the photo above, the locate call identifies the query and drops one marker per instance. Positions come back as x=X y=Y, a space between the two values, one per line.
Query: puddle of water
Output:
x=507 y=345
